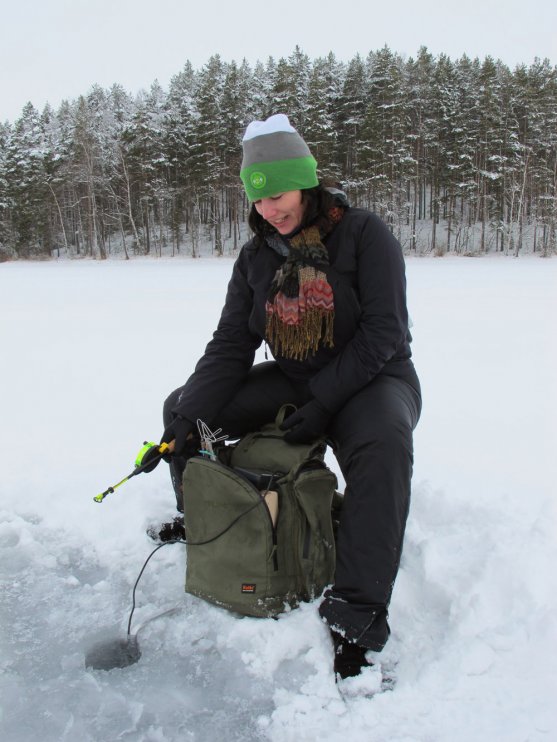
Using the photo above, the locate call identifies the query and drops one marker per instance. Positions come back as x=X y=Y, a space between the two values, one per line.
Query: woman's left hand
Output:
x=306 y=424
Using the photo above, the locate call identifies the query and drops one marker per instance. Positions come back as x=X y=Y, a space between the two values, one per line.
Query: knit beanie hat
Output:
x=276 y=159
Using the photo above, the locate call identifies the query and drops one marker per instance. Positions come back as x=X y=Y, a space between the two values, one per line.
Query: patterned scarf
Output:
x=300 y=306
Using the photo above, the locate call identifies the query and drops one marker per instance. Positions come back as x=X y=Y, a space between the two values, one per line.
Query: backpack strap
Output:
x=281 y=414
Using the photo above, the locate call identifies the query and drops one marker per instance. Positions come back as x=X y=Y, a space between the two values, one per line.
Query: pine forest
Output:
x=457 y=156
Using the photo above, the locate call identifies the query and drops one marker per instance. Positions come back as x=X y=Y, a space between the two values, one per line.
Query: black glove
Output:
x=306 y=424
x=178 y=431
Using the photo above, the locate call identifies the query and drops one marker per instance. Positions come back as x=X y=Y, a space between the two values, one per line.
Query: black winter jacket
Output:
x=371 y=333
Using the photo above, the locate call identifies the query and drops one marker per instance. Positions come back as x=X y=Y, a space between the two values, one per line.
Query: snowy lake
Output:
x=89 y=352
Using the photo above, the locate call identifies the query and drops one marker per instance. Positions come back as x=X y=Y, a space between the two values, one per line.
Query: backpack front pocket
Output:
x=230 y=538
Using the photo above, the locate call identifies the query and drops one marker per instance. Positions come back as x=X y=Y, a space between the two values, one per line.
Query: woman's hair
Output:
x=317 y=201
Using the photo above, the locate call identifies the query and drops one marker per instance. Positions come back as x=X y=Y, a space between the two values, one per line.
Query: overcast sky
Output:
x=56 y=49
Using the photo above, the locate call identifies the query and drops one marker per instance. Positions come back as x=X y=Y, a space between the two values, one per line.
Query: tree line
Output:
x=457 y=156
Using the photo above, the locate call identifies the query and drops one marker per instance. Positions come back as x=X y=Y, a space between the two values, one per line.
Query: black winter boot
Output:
x=350 y=658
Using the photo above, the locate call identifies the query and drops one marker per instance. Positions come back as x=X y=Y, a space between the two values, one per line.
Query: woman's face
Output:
x=284 y=211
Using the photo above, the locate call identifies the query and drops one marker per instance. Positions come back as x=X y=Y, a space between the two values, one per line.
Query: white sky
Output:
x=56 y=49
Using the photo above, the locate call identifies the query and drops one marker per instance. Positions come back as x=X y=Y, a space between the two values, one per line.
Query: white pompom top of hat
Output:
x=272 y=125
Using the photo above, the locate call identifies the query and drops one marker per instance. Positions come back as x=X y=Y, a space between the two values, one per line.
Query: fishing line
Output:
x=192 y=543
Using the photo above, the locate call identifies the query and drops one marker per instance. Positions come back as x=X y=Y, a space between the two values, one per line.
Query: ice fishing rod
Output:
x=145 y=461
x=151 y=453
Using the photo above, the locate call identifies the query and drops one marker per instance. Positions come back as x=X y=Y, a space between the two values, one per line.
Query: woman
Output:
x=323 y=285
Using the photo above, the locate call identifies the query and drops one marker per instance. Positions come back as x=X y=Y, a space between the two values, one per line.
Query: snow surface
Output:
x=90 y=350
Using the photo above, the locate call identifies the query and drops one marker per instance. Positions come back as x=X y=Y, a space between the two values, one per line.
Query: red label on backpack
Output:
x=248 y=587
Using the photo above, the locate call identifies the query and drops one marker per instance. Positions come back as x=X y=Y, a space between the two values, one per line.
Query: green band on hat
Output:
x=265 y=179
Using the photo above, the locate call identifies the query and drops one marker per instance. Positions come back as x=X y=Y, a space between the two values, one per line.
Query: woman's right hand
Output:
x=177 y=434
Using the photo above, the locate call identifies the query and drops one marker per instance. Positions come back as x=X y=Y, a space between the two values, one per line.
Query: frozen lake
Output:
x=90 y=350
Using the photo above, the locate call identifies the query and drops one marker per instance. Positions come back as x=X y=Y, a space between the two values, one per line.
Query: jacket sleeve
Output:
x=228 y=357
x=383 y=324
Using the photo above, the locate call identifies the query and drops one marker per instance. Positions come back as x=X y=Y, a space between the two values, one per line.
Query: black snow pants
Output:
x=371 y=438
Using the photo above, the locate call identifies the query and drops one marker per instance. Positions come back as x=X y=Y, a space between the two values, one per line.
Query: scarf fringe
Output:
x=299 y=340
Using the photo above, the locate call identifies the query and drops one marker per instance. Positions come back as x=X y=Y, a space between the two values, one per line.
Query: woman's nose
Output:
x=268 y=209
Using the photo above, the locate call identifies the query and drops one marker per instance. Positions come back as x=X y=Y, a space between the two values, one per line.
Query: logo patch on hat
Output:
x=258 y=180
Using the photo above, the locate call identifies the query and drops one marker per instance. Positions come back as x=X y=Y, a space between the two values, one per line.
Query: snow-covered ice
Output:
x=90 y=350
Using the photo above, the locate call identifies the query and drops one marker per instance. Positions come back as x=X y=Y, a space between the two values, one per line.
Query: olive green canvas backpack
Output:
x=258 y=523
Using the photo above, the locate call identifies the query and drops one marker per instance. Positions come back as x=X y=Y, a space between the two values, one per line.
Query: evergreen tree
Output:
x=26 y=185
x=490 y=150
x=422 y=134
x=208 y=162
x=5 y=221
x=461 y=191
x=145 y=167
x=233 y=123
x=350 y=116
x=538 y=125
x=321 y=133
x=179 y=145
x=385 y=155
x=260 y=104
